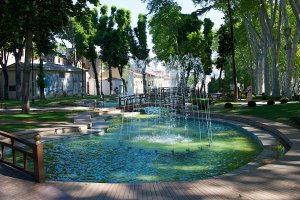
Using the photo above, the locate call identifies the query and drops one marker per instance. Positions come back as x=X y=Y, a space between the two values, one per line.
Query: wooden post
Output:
x=38 y=159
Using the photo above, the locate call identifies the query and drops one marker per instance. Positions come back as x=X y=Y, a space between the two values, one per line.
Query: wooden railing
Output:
x=28 y=150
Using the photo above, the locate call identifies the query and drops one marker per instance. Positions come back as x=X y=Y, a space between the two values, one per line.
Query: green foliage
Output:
x=138 y=39
x=278 y=98
x=271 y=102
x=284 y=100
x=37 y=120
x=154 y=5
x=164 y=27
x=114 y=41
x=251 y=104
x=228 y=105
x=264 y=97
x=206 y=46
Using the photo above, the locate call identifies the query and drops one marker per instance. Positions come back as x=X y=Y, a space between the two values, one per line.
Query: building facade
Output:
x=60 y=80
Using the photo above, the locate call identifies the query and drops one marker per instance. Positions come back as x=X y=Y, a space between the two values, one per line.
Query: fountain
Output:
x=171 y=141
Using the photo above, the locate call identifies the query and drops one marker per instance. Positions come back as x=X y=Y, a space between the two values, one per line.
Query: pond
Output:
x=147 y=148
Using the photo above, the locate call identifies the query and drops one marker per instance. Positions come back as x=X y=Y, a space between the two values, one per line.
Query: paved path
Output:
x=277 y=180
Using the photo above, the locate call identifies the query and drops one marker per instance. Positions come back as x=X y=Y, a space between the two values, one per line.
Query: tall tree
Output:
x=33 y=11
x=224 y=49
x=138 y=46
x=206 y=54
x=291 y=34
x=170 y=29
x=106 y=37
x=122 y=33
x=85 y=33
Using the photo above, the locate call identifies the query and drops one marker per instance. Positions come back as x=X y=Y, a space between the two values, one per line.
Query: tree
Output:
x=44 y=44
x=206 y=53
x=33 y=11
x=85 y=33
x=224 y=49
x=170 y=30
x=291 y=41
x=106 y=37
x=122 y=34
x=12 y=34
x=138 y=46
x=68 y=35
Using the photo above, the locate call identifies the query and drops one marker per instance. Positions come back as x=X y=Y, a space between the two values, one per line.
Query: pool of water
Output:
x=149 y=149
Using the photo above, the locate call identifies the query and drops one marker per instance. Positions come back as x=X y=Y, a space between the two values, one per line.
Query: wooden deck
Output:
x=278 y=180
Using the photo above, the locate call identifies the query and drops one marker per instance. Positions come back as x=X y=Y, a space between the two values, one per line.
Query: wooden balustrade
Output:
x=29 y=150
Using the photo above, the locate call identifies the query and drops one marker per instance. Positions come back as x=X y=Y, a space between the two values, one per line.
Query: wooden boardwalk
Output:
x=278 y=180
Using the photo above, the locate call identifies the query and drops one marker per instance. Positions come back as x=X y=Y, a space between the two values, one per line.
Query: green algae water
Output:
x=149 y=149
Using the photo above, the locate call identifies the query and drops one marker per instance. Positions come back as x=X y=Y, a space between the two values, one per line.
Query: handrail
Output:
x=35 y=152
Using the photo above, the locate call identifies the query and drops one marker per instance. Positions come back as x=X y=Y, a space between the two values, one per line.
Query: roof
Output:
x=50 y=67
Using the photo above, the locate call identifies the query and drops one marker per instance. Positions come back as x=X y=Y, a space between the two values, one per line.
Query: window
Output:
x=61 y=75
x=12 y=88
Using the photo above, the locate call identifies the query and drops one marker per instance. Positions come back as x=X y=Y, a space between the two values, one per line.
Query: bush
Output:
x=228 y=105
x=264 y=97
x=243 y=96
x=296 y=97
x=284 y=100
x=251 y=104
x=278 y=98
x=271 y=102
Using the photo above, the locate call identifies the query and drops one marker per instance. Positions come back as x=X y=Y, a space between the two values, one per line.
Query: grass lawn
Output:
x=51 y=102
x=284 y=113
x=13 y=122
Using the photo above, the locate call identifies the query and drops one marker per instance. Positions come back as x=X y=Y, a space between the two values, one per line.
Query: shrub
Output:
x=243 y=96
x=296 y=97
x=284 y=100
x=278 y=98
x=271 y=102
x=264 y=97
x=228 y=105
x=251 y=104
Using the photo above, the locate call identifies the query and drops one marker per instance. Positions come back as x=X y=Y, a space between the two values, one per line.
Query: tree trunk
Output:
x=266 y=68
x=96 y=76
x=236 y=92
x=18 y=54
x=268 y=26
x=26 y=71
x=101 y=70
x=3 y=62
x=41 y=72
x=110 y=79
x=144 y=79
x=291 y=47
x=220 y=77
x=259 y=73
x=120 y=69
